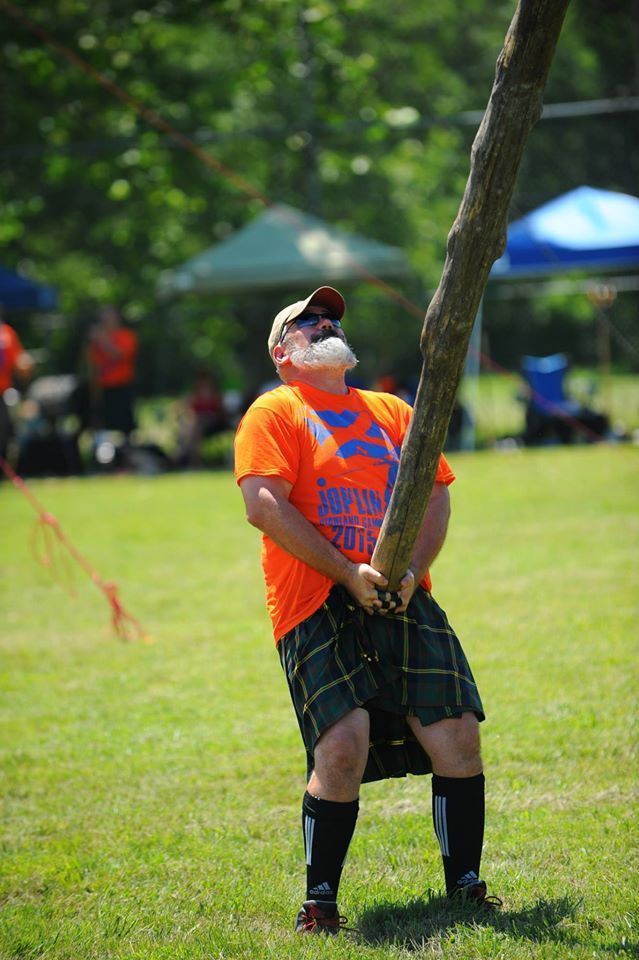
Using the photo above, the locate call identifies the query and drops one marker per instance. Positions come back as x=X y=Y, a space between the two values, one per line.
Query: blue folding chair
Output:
x=551 y=416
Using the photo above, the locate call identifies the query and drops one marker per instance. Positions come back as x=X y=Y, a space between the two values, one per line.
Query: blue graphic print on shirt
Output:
x=354 y=513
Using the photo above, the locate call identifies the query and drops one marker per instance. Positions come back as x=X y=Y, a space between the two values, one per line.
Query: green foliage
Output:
x=350 y=110
x=151 y=793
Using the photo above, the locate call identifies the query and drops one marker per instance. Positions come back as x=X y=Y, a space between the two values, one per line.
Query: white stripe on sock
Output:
x=445 y=828
x=436 y=820
x=441 y=825
x=309 y=829
x=438 y=827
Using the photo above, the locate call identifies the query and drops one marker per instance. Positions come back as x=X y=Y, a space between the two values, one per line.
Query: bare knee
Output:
x=342 y=749
x=453 y=745
x=340 y=759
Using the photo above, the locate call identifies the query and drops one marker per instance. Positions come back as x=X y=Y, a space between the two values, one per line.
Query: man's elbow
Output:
x=254 y=515
x=258 y=509
x=262 y=503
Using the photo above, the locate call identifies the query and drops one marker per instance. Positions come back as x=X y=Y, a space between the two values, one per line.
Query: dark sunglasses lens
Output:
x=312 y=319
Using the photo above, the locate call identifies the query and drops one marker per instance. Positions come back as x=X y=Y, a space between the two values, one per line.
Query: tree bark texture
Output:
x=477 y=238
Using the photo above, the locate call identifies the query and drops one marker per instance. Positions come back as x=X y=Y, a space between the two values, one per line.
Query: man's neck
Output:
x=329 y=379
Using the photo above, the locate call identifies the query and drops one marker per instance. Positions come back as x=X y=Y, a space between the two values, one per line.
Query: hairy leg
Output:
x=340 y=758
x=458 y=796
x=452 y=745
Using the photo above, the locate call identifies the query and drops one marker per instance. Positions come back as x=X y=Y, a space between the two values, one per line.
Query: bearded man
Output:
x=379 y=681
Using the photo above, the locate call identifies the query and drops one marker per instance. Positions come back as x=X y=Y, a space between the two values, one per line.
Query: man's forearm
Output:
x=432 y=534
x=291 y=531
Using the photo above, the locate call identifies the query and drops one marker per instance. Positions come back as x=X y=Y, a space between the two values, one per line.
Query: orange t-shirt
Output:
x=10 y=351
x=340 y=452
x=115 y=371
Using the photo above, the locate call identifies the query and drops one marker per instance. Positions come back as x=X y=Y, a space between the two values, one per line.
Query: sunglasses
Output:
x=308 y=320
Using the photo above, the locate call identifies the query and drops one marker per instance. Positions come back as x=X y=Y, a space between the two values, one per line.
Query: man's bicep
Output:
x=266 y=446
x=440 y=491
x=439 y=499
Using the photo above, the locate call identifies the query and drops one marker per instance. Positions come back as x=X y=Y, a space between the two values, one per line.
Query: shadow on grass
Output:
x=410 y=924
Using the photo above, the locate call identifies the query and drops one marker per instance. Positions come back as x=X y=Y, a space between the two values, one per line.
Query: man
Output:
x=15 y=365
x=380 y=684
x=112 y=353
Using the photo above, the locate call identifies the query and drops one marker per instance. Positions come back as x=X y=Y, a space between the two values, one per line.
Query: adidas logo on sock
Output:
x=470 y=877
x=323 y=891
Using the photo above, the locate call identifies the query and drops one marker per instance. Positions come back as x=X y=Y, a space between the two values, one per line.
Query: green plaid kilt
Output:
x=395 y=666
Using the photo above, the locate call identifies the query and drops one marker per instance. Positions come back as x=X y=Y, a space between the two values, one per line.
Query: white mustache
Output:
x=329 y=351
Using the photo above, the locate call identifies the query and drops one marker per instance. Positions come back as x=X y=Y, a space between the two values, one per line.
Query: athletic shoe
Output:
x=320 y=916
x=474 y=894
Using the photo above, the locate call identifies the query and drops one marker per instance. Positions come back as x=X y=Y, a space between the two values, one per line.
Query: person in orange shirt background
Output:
x=16 y=365
x=112 y=353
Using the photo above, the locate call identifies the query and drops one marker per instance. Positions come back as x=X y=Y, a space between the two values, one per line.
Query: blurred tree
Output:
x=355 y=110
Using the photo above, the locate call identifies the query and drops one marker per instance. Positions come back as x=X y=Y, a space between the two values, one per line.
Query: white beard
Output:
x=332 y=353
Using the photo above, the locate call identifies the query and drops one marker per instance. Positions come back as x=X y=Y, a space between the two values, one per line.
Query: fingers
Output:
x=367 y=587
x=407 y=580
x=407 y=588
x=372 y=575
x=387 y=600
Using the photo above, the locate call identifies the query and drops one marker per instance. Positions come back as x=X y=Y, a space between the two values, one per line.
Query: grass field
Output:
x=151 y=793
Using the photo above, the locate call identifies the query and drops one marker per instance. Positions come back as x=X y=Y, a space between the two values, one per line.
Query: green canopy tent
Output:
x=283 y=248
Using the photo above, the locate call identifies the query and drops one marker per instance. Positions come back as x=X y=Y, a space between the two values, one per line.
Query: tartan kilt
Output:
x=395 y=666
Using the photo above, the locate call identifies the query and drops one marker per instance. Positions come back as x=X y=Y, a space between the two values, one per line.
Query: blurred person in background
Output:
x=202 y=414
x=16 y=366
x=112 y=352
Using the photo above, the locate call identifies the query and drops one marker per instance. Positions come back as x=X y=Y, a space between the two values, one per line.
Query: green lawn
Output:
x=151 y=793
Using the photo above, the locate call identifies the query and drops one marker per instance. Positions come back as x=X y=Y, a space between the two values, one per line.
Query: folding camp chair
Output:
x=551 y=416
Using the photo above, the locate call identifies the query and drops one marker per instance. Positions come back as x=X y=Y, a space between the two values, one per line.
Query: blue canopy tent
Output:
x=585 y=229
x=20 y=293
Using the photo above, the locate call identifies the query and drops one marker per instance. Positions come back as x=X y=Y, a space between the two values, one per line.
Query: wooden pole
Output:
x=476 y=240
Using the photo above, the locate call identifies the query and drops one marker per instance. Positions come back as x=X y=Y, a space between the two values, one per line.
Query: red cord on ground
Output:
x=48 y=536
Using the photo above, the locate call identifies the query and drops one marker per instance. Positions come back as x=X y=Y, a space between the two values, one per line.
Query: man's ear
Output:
x=280 y=355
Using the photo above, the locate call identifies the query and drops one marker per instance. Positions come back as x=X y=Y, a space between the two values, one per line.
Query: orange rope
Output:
x=52 y=548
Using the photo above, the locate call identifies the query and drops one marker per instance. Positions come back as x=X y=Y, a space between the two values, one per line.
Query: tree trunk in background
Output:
x=476 y=240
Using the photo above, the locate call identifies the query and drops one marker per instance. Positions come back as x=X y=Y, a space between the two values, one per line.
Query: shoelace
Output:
x=492 y=902
x=476 y=894
x=338 y=922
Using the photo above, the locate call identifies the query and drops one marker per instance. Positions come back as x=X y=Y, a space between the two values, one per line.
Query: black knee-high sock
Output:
x=458 y=816
x=328 y=828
